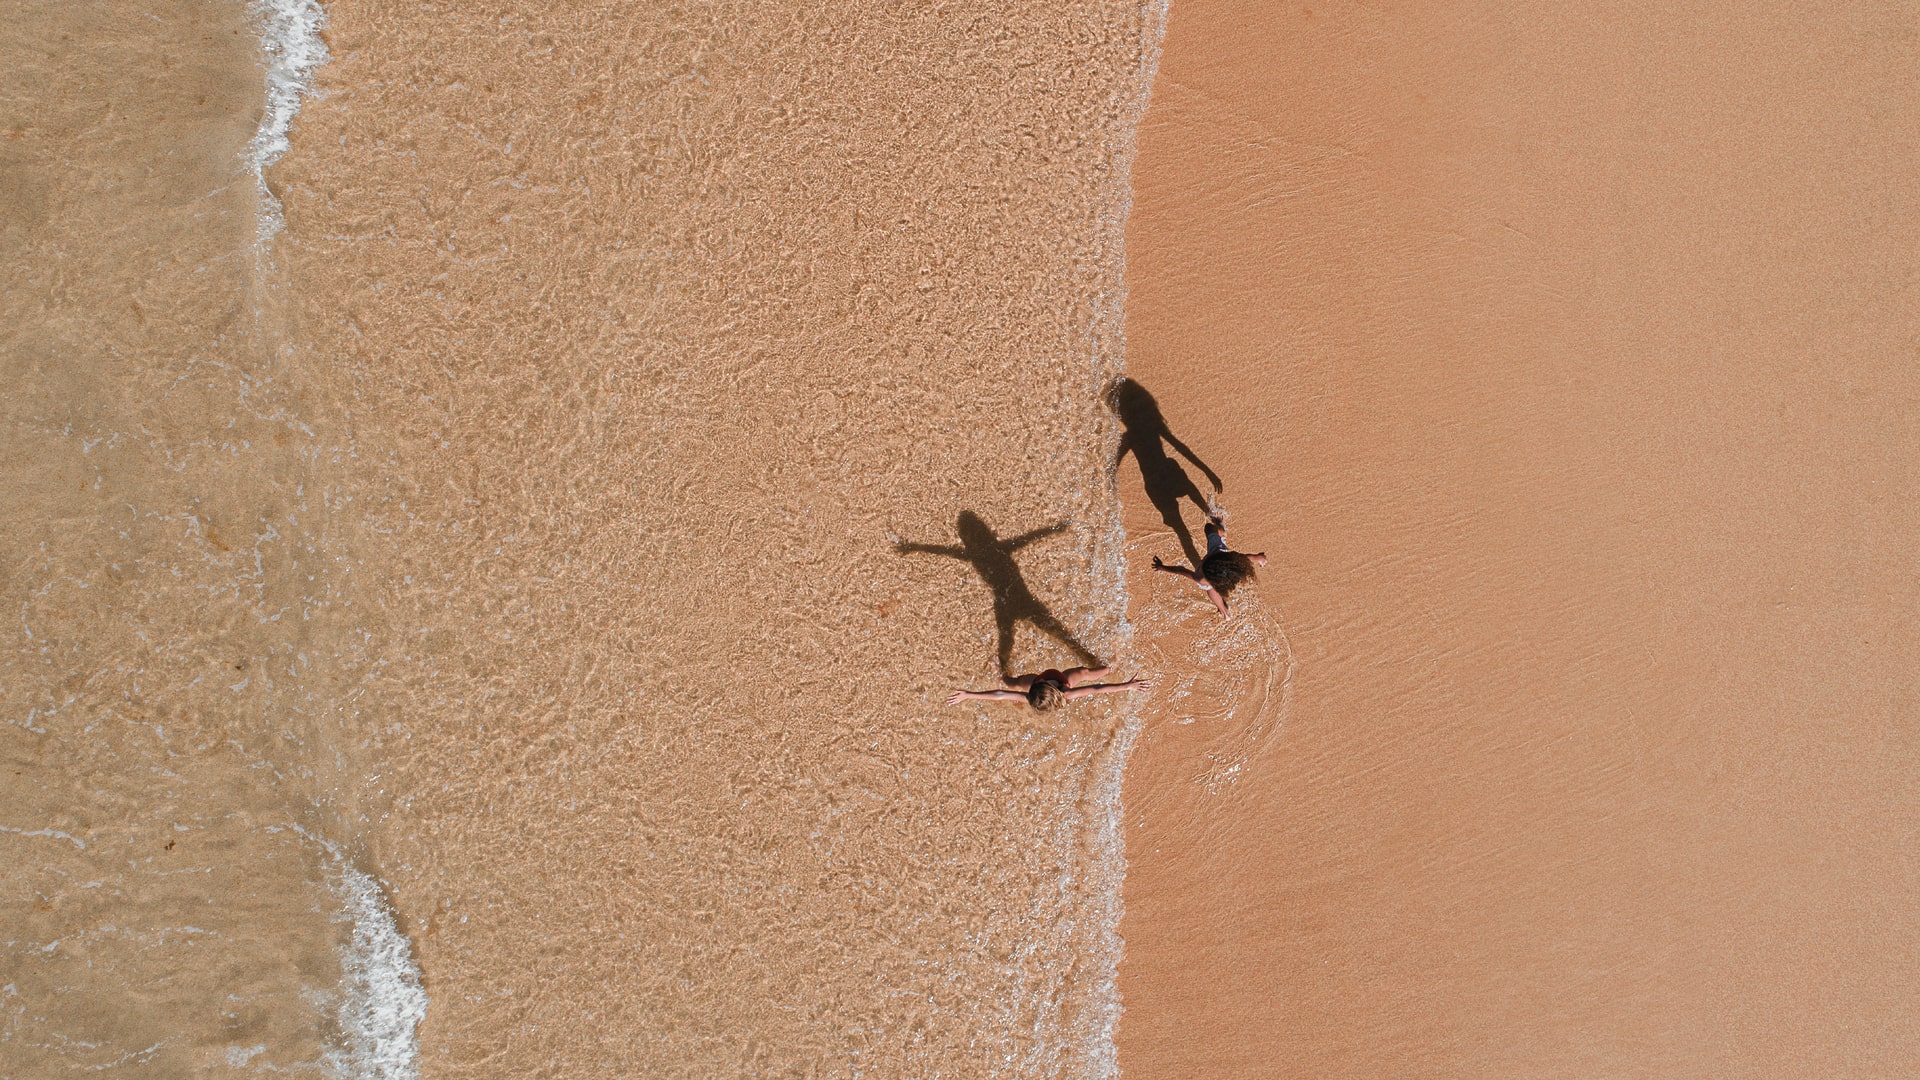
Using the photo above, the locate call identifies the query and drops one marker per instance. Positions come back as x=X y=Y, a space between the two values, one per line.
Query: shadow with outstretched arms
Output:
x=992 y=558
x=1146 y=437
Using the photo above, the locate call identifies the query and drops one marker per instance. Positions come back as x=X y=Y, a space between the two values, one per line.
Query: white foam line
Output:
x=1099 y=1020
x=53 y=833
x=381 y=1001
x=290 y=38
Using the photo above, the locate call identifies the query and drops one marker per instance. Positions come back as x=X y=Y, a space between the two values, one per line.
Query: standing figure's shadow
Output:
x=1166 y=482
x=992 y=559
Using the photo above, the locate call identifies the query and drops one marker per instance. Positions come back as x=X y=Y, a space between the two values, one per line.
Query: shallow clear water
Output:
x=495 y=576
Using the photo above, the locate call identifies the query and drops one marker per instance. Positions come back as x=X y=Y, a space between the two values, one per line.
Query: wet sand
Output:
x=662 y=333
x=175 y=648
x=542 y=549
x=1565 y=366
x=481 y=600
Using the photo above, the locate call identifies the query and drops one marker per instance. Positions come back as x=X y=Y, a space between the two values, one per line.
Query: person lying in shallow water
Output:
x=1222 y=570
x=1051 y=687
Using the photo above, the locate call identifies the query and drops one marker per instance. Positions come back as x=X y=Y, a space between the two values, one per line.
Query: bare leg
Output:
x=1021 y=683
x=1080 y=676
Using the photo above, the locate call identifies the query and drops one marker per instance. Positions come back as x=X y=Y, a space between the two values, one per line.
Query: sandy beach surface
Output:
x=497 y=499
x=1564 y=362
x=497 y=496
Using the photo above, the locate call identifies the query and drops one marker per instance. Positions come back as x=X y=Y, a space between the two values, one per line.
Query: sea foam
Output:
x=1096 y=1028
x=290 y=39
x=380 y=1000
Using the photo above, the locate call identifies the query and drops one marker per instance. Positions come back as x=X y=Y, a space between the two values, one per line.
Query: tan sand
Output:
x=542 y=549
x=164 y=568
x=1566 y=366
x=659 y=329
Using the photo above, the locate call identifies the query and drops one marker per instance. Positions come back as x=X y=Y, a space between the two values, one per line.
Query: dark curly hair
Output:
x=1225 y=570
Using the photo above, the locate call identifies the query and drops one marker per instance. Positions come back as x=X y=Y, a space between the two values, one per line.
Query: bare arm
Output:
x=959 y=696
x=1108 y=688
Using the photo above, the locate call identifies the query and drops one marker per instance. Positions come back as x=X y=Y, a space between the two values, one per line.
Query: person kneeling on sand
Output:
x=1051 y=687
x=1221 y=570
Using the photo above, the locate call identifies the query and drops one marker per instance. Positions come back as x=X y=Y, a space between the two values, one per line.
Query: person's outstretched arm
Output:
x=1108 y=688
x=959 y=696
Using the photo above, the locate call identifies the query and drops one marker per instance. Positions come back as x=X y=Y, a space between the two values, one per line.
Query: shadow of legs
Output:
x=1170 y=513
x=1044 y=621
x=991 y=556
x=1147 y=438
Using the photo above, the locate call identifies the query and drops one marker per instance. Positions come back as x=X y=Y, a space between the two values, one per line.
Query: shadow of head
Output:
x=992 y=558
x=975 y=535
x=1136 y=408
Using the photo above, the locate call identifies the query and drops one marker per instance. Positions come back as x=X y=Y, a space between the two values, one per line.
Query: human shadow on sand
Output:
x=992 y=558
x=1146 y=437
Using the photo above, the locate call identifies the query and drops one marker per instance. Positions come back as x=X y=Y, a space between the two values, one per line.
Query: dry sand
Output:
x=517 y=531
x=1566 y=365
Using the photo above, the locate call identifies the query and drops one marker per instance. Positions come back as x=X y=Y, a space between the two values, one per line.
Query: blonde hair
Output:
x=1045 y=695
